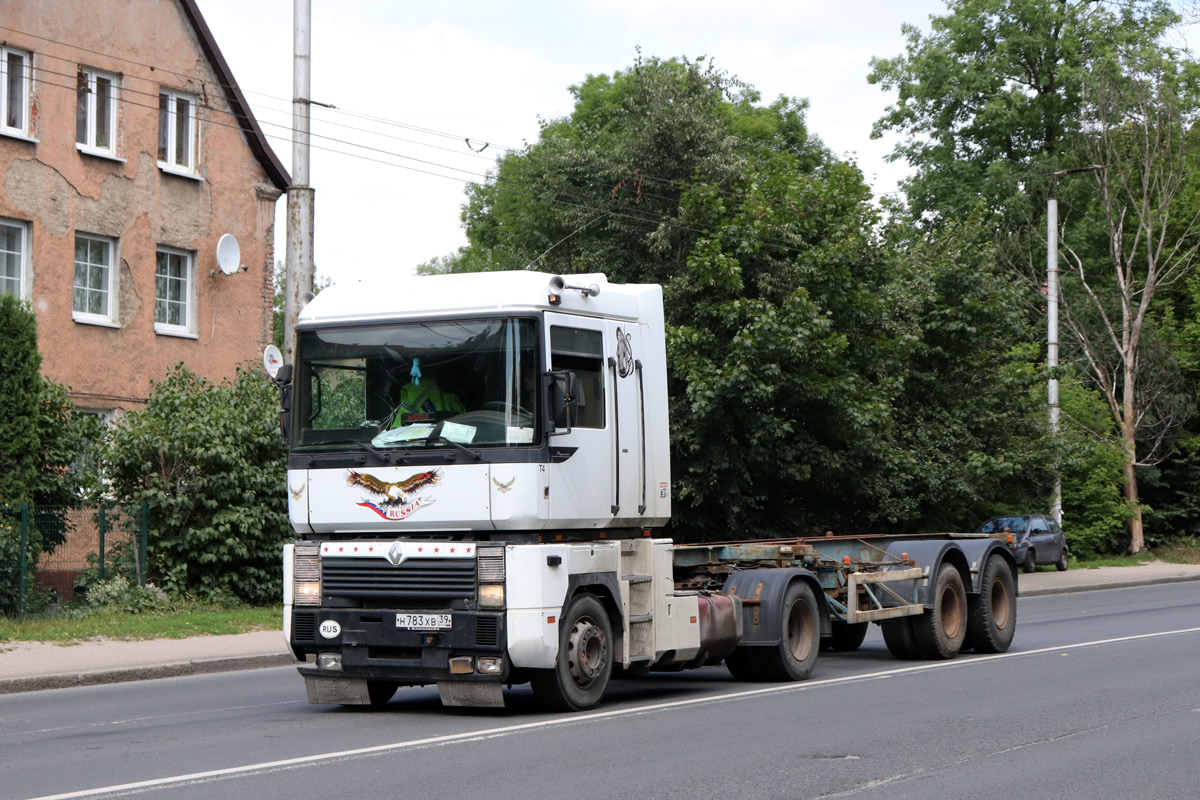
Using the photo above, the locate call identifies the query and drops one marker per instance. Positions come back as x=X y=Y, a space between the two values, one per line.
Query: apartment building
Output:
x=127 y=151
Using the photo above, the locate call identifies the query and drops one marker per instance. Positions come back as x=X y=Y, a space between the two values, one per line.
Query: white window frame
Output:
x=109 y=282
x=188 y=327
x=169 y=129
x=23 y=255
x=23 y=88
x=89 y=92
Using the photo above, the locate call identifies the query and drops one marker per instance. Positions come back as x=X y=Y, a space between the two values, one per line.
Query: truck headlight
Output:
x=306 y=574
x=491 y=595
x=489 y=560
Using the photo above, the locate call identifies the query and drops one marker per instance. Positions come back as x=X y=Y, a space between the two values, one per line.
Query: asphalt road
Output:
x=1099 y=698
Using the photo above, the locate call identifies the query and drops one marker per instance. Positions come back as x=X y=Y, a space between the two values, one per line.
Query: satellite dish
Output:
x=229 y=254
x=272 y=358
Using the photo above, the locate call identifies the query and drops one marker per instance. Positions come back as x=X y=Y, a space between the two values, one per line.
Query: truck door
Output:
x=581 y=480
x=627 y=394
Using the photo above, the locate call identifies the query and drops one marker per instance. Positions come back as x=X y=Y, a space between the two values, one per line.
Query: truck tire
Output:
x=898 y=636
x=795 y=656
x=845 y=637
x=940 y=631
x=379 y=692
x=742 y=664
x=584 y=665
x=992 y=615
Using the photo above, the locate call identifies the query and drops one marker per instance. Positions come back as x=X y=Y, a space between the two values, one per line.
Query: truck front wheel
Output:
x=584 y=665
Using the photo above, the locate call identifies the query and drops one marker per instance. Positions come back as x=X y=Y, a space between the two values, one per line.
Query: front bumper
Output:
x=372 y=647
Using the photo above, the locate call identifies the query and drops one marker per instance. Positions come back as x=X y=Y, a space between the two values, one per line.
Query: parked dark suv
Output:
x=1036 y=539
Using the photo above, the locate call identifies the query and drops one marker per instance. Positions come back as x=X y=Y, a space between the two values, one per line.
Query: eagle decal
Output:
x=394 y=501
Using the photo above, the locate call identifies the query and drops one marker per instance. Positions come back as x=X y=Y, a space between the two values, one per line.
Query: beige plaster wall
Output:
x=149 y=44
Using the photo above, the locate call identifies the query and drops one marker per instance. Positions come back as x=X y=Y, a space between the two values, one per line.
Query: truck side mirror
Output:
x=563 y=399
x=283 y=379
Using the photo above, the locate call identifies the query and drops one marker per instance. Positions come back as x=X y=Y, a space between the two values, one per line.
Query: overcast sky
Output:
x=413 y=81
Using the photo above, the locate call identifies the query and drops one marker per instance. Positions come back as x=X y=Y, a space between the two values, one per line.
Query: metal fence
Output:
x=47 y=553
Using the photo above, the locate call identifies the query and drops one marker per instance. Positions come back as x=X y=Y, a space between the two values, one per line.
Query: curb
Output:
x=173 y=670
x=1091 y=587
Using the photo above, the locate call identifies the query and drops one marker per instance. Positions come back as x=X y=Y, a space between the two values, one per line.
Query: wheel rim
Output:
x=1000 y=604
x=952 y=612
x=799 y=632
x=587 y=652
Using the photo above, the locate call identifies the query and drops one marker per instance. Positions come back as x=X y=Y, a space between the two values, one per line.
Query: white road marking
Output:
x=507 y=730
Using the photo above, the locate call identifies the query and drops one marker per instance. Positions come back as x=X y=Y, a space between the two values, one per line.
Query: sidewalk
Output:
x=29 y=666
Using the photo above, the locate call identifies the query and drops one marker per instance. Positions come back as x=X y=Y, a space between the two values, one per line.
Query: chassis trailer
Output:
x=477 y=466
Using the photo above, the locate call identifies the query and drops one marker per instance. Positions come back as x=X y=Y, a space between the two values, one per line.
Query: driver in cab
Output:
x=422 y=395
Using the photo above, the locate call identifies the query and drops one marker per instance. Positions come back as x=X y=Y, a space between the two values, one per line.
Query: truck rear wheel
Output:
x=898 y=636
x=992 y=616
x=940 y=631
x=793 y=657
x=584 y=664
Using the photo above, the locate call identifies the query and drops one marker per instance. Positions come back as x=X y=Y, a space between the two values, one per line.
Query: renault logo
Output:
x=395 y=554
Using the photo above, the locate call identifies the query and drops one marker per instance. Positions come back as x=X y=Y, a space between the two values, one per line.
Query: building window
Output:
x=173 y=281
x=96 y=112
x=94 y=279
x=14 y=253
x=15 y=68
x=176 y=132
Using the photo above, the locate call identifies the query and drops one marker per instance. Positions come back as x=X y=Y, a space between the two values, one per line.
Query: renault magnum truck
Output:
x=478 y=472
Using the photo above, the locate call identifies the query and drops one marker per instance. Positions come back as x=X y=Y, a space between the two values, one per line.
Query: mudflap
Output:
x=475 y=694
x=337 y=691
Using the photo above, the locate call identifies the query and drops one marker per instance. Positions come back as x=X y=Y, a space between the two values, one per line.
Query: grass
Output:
x=178 y=624
x=1185 y=550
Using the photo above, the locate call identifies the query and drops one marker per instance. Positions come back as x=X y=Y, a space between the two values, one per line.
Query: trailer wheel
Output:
x=584 y=664
x=940 y=631
x=992 y=616
x=845 y=637
x=379 y=692
x=898 y=636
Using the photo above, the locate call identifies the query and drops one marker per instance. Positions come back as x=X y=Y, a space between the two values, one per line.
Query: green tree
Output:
x=1003 y=94
x=969 y=439
x=990 y=98
x=20 y=386
x=802 y=344
x=208 y=461
x=1136 y=118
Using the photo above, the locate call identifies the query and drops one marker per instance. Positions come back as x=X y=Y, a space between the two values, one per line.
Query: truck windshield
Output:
x=429 y=384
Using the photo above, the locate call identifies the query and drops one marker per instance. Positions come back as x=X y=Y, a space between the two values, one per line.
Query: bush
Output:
x=208 y=461
x=120 y=594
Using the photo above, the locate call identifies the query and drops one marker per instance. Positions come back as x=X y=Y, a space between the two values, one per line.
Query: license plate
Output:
x=423 y=622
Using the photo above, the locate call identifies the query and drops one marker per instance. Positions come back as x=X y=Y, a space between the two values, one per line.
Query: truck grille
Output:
x=426 y=581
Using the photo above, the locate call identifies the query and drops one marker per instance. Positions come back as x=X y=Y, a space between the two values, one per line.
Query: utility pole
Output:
x=1052 y=294
x=1052 y=341
x=300 y=195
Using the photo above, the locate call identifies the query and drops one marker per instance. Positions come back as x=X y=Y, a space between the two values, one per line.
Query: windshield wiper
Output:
x=381 y=456
x=456 y=445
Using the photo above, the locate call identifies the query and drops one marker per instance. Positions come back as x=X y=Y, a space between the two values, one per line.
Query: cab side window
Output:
x=582 y=352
